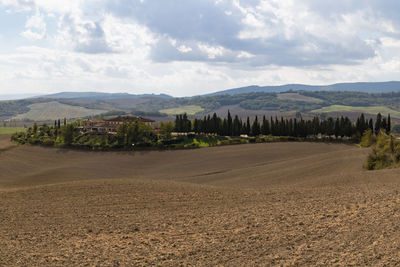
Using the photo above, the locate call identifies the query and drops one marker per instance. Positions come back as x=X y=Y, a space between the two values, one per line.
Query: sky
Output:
x=192 y=47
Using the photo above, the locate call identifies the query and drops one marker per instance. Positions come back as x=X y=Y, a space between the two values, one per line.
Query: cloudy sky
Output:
x=190 y=47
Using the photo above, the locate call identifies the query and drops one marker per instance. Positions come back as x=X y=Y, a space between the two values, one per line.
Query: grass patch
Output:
x=299 y=97
x=200 y=143
x=190 y=110
x=368 y=110
x=10 y=130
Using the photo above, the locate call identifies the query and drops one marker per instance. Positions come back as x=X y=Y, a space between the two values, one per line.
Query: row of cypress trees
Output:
x=229 y=126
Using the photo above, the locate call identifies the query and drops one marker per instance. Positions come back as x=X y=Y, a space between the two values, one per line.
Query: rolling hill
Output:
x=55 y=110
x=286 y=100
x=366 y=87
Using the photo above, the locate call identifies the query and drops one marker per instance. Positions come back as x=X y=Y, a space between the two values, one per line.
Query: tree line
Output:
x=234 y=126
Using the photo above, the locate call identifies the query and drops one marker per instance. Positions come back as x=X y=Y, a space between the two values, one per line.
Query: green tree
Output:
x=378 y=123
x=389 y=125
x=248 y=127
x=35 y=129
x=371 y=124
x=265 y=127
x=337 y=128
x=255 y=128
x=368 y=139
x=178 y=123
x=69 y=134
x=167 y=128
x=230 y=124
x=121 y=134
x=237 y=126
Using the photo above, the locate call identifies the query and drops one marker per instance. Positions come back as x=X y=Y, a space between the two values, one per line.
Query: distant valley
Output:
x=287 y=100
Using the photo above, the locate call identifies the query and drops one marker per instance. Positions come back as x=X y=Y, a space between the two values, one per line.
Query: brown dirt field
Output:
x=290 y=204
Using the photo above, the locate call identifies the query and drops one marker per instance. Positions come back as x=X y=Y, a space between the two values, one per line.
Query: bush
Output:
x=368 y=139
x=384 y=154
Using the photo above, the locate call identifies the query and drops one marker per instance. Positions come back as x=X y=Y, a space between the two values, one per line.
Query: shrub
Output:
x=368 y=139
x=385 y=153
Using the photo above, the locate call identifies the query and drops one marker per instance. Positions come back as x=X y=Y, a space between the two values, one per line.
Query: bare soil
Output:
x=290 y=204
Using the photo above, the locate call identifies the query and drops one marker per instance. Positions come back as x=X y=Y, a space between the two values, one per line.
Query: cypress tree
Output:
x=371 y=125
x=348 y=127
x=295 y=128
x=273 y=131
x=186 y=124
x=358 y=126
x=225 y=128
x=265 y=127
x=389 y=125
x=248 y=127
x=363 y=124
x=214 y=125
x=315 y=126
x=208 y=124
x=229 y=125
x=290 y=126
x=337 y=128
x=196 y=126
x=277 y=127
x=282 y=127
x=330 y=129
x=342 y=127
x=378 y=123
x=177 y=124
x=237 y=125
x=255 y=129
x=384 y=125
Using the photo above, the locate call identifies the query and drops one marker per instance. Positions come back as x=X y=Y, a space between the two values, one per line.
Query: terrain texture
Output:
x=290 y=204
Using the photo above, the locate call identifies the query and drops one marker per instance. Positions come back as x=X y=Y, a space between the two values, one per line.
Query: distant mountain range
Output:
x=366 y=87
x=96 y=95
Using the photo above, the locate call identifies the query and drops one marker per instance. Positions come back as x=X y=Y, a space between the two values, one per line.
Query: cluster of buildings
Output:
x=110 y=125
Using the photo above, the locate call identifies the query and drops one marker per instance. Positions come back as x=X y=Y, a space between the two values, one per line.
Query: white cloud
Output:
x=35 y=27
x=212 y=51
x=184 y=49
x=244 y=54
x=127 y=37
x=169 y=46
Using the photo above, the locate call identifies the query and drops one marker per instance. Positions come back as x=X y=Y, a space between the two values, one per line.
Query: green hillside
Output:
x=10 y=130
x=191 y=110
x=368 y=110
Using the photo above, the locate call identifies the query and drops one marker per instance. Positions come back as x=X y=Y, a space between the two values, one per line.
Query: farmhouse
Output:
x=111 y=125
x=126 y=119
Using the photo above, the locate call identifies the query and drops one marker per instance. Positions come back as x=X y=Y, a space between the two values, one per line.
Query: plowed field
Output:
x=284 y=204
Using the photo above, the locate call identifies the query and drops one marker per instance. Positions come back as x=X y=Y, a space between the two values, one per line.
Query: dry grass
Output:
x=267 y=204
x=55 y=110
